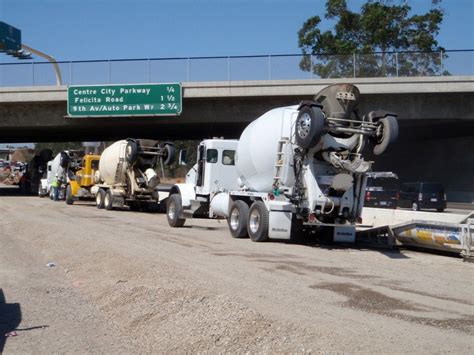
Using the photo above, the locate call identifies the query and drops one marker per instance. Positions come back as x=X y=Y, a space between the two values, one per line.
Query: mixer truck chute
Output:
x=296 y=169
x=127 y=174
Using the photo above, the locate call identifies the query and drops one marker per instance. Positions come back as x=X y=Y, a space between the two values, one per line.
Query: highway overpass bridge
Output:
x=436 y=119
x=31 y=114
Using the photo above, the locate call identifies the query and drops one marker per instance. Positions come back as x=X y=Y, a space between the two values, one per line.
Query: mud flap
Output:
x=279 y=220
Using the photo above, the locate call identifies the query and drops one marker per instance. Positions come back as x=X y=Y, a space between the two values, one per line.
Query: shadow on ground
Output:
x=7 y=190
x=10 y=318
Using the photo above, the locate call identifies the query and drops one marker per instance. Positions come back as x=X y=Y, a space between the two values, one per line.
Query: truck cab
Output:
x=213 y=172
x=215 y=167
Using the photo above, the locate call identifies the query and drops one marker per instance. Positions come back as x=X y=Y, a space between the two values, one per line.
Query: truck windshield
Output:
x=95 y=164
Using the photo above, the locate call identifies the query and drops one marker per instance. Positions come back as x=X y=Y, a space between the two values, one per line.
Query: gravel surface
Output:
x=126 y=281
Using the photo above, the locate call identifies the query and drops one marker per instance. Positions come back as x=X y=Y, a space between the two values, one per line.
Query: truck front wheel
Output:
x=237 y=221
x=257 y=225
x=174 y=211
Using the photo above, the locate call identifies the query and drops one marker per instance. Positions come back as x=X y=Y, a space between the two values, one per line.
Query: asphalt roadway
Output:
x=124 y=281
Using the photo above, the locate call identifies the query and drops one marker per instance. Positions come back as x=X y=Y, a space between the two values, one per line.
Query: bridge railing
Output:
x=233 y=68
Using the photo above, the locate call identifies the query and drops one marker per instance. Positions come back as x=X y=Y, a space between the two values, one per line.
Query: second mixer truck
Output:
x=128 y=174
x=294 y=170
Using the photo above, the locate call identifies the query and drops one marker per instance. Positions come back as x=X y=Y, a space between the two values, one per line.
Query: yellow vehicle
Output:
x=81 y=179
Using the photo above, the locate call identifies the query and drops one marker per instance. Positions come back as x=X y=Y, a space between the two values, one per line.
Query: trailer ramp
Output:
x=453 y=233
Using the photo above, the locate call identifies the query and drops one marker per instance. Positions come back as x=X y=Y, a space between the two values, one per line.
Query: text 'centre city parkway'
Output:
x=125 y=100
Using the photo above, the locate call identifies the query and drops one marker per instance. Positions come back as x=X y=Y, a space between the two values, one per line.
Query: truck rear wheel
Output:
x=237 y=221
x=99 y=199
x=174 y=211
x=108 y=200
x=69 y=196
x=257 y=225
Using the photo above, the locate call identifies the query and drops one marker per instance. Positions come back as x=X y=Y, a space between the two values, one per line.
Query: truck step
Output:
x=197 y=207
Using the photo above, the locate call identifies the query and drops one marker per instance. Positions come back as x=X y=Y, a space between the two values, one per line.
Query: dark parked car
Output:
x=382 y=190
x=422 y=195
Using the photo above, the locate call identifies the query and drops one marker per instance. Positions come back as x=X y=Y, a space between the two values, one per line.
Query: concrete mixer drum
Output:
x=339 y=100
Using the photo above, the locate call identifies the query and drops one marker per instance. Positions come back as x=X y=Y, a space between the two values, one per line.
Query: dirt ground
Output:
x=126 y=281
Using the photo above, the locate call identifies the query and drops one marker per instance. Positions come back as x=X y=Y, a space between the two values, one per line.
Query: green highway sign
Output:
x=124 y=100
x=10 y=38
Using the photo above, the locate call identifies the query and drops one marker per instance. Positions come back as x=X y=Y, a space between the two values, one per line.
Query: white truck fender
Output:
x=186 y=191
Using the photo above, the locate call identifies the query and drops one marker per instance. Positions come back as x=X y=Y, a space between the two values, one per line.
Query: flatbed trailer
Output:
x=448 y=232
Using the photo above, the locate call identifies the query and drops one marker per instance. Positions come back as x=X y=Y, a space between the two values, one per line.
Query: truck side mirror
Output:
x=182 y=157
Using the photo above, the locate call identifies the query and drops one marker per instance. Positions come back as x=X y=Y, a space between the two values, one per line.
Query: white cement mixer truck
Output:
x=63 y=165
x=128 y=174
x=294 y=170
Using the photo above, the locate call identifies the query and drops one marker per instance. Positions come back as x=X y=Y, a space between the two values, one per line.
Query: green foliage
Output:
x=381 y=26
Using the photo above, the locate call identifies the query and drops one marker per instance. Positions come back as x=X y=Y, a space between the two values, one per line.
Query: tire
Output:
x=309 y=126
x=415 y=206
x=69 y=196
x=440 y=209
x=388 y=134
x=108 y=200
x=61 y=194
x=174 y=211
x=99 y=199
x=257 y=223
x=131 y=151
x=169 y=154
x=237 y=220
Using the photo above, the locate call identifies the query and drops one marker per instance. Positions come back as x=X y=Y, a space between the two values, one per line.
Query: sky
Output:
x=121 y=29
x=103 y=29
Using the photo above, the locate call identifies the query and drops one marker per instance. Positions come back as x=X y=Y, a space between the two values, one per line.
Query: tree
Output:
x=376 y=35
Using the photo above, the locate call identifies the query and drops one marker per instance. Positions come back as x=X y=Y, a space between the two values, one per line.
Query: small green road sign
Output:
x=124 y=100
x=10 y=38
